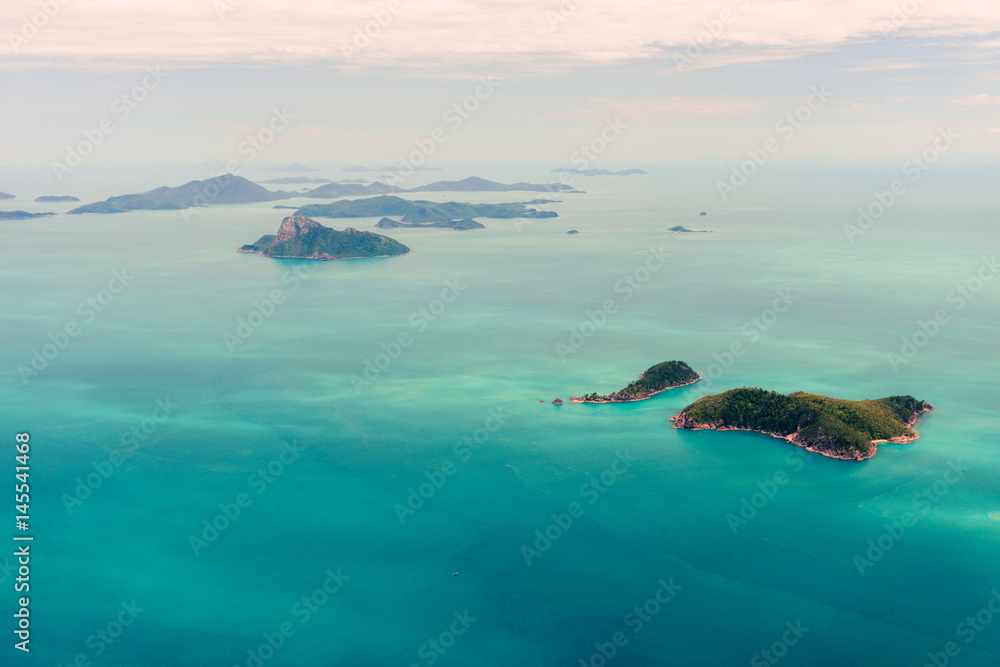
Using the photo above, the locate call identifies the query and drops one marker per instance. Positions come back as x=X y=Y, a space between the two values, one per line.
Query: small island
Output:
x=573 y=231
x=840 y=429
x=22 y=215
x=684 y=230
x=4 y=195
x=663 y=376
x=460 y=225
x=302 y=238
x=56 y=198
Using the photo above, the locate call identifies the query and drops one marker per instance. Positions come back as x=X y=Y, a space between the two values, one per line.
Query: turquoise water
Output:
x=493 y=352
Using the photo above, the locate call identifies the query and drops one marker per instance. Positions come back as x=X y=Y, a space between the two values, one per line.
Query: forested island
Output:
x=302 y=238
x=655 y=379
x=832 y=427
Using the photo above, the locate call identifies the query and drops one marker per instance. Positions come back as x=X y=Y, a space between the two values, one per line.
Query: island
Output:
x=684 y=230
x=419 y=211
x=231 y=189
x=536 y=202
x=56 y=198
x=224 y=189
x=655 y=379
x=838 y=428
x=300 y=237
x=460 y=225
x=703 y=213
x=573 y=231
x=21 y=215
x=597 y=172
x=4 y=195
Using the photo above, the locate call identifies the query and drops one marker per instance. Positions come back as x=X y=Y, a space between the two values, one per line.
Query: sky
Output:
x=506 y=81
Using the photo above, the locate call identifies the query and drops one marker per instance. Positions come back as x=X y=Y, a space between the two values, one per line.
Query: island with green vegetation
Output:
x=460 y=225
x=302 y=238
x=56 y=198
x=832 y=427
x=22 y=215
x=419 y=211
x=663 y=376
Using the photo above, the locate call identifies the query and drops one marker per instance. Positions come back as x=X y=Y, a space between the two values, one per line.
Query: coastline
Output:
x=578 y=399
x=793 y=438
x=319 y=259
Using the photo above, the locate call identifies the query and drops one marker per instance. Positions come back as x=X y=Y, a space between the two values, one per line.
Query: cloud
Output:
x=981 y=100
x=451 y=35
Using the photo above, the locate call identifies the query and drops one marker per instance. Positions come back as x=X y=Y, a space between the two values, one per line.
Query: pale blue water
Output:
x=494 y=349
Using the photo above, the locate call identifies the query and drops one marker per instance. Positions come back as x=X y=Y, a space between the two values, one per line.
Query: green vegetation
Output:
x=299 y=236
x=419 y=211
x=657 y=378
x=841 y=428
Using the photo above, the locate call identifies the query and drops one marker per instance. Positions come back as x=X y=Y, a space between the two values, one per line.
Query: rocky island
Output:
x=56 y=198
x=837 y=428
x=660 y=377
x=302 y=238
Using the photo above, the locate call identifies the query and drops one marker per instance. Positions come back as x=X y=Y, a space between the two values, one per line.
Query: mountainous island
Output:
x=230 y=189
x=56 y=198
x=419 y=211
x=596 y=172
x=832 y=427
x=460 y=225
x=302 y=238
x=21 y=215
x=4 y=195
x=655 y=379
x=224 y=189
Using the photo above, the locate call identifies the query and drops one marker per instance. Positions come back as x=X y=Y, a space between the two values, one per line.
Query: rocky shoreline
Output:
x=684 y=422
x=608 y=398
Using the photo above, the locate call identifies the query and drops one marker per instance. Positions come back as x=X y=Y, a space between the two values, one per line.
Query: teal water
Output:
x=493 y=351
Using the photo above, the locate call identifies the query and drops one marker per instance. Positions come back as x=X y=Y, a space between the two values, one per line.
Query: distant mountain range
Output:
x=230 y=189
x=597 y=172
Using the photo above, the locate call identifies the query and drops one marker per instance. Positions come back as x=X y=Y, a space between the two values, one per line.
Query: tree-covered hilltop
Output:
x=657 y=378
x=419 y=211
x=834 y=427
x=301 y=237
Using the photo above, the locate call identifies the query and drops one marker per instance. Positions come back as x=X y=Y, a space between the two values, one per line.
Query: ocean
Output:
x=244 y=461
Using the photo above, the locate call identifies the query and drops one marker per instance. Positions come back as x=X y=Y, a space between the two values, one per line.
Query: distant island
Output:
x=56 y=198
x=684 y=230
x=358 y=168
x=655 y=379
x=703 y=213
x=4 y=195
x=21 y=215
x=293 y=167
x=461 y=225
x=302 y=238
x=285 y=180
x=832 y=427
x=535 y=202
x=224 y=189
x=573 y=231
x=597 y=172
x=419 y=211
x=230 y=189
